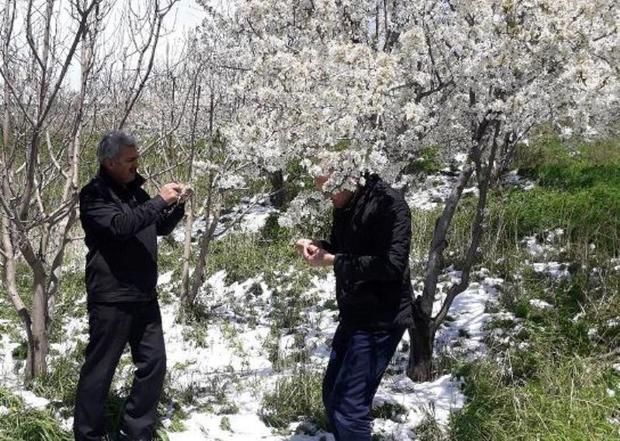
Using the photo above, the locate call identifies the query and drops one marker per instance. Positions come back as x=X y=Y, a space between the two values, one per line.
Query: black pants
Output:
x=111 y=327
x=356 y=365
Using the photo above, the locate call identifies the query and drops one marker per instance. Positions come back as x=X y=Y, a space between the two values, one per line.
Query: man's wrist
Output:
x=159 y=203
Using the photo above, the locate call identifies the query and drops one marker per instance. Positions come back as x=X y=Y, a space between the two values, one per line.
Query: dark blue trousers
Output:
x=356 y=365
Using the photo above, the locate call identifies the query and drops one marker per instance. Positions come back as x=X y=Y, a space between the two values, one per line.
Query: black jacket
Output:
x=370 y=238
x=121 y=226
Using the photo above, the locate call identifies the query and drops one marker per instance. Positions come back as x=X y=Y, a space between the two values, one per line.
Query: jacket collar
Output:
x=361 y=190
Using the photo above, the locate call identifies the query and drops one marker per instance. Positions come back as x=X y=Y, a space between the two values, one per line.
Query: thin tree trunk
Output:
x=189 y=221
x=212 y=214
x=278 y=193
x=423 y=332
x=40 y=347
x=420 y=367
x=10 y=282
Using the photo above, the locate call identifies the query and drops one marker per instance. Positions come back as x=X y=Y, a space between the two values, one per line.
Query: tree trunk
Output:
x=423 y=332
x=278 y=192
x=187 y=249
x=40 y=342
x=10 y=282
x=189 y=220
x=420 y=366
x=198 y=276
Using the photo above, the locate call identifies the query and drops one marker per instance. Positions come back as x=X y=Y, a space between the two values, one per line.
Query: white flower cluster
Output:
x=373 y=84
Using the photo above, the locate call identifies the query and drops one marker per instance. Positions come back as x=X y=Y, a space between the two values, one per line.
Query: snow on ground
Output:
x=512 y=178
x=433 y=190
x=243 y=357
x=543 y=248
x=31 y=400
x=467 y=315
x=616 y=262
x=77 y=328
x=9 y=369
x=540 y=304
x=436 y=399
x=555 y=270
x=236 y=354
x=429 y=194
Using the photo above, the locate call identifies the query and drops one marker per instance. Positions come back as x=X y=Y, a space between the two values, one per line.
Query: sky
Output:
x=185 y=16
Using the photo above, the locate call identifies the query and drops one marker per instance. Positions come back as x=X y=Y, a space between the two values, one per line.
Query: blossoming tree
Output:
x=377 y=81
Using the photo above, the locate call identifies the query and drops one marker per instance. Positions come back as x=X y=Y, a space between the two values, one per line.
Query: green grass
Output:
x=590 y=214
x=60 y=383
x=246 y=255
x=427 y=161
x=554 y=380
x=20 y=423
x=565 y=399
x=296 y=397
x=579 y=192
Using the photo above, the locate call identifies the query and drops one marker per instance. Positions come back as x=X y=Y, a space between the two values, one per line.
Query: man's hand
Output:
x=170 y=192
x=313 y=254
x=302 y=244
x=317 y=256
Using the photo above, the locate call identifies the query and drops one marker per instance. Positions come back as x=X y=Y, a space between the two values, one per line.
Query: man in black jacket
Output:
x=121 y=223
x=369 y=251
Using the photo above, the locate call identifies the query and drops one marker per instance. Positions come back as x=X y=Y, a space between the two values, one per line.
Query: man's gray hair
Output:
x=111 y=144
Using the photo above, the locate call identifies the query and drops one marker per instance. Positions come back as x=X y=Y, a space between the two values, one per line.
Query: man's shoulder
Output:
x=96 y=187
x=388 y=196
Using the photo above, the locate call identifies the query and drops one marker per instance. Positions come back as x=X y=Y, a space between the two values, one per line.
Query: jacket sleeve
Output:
x=169 y=219
x=328 y=245
x=104 y=217
x=393 y=237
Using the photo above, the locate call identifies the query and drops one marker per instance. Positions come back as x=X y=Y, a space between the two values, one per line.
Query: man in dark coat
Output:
x=121 y=222
x=369 y=251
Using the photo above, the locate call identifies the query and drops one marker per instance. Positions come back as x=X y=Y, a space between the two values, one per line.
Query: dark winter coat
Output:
x=121 y=226
x=370 y=238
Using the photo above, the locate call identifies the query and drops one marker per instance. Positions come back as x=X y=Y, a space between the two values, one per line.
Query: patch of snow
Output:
x=165 y=278
x=77 y=328
x=513 y=179
x=468 y=314
x=460 y=158
x=249 y=216
x=438 y=398
x=431 y=193
x=578 y=317
x=540 y=304
x=613 y=323
x=31 y=400
x=555 y=270
x=592 y=333
x=534 y=247
x=9 y=371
